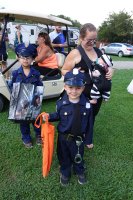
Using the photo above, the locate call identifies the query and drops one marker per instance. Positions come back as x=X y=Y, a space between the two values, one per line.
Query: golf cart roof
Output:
x=32 y=17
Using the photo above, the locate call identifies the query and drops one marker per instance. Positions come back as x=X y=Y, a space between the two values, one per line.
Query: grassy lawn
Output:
x=109 y=166
x=12 y=55
x=126 y=58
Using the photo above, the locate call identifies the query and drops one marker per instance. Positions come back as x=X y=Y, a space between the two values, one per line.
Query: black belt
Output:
x=70 y=137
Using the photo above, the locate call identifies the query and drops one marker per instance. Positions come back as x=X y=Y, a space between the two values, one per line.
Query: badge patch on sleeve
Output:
x=87 y=105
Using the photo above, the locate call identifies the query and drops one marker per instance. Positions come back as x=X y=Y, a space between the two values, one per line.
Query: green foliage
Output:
x=74 y=22
x=108 y=166
x=117 y=28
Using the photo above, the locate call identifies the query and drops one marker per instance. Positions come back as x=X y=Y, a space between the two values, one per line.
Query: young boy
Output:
x=75 y=127
x=26 y=74
x=101 y=86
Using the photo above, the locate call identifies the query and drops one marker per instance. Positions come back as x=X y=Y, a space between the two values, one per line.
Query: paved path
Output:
x=123 y=64
x=117 y=64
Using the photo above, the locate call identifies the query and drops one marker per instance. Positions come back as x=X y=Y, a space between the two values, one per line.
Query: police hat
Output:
x=26 y=51
x=74 y=78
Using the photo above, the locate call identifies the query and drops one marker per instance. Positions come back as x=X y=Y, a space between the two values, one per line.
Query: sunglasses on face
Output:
x=90 y=41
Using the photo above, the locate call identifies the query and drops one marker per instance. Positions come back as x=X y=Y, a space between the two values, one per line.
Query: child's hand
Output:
x=90 y=146
x=45 y=116
x=96 y=73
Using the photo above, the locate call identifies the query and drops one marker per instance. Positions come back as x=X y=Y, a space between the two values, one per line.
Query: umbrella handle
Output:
x=39 y=118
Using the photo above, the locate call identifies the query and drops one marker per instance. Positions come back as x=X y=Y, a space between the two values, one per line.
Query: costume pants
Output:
x=95 y=93
x=66 y=151
x=25 y=131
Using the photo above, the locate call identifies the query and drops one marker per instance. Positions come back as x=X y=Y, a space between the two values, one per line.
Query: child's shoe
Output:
x=38 y=141
x=64 y=180
x=81 y=179
x=28 y=144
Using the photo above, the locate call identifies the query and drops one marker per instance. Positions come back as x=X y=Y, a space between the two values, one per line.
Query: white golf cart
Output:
x=53 y=85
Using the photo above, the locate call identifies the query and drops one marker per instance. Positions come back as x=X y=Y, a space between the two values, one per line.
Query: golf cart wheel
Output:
x=1 y=103
x=120 y=54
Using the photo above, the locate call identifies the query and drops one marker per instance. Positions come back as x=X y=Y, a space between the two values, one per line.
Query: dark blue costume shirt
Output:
x=19 y=76
x=64 y=115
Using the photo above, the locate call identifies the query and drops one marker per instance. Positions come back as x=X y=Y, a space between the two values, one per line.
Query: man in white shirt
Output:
x=58 y=40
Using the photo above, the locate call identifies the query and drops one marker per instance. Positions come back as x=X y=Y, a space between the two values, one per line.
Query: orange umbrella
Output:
x=47 y=135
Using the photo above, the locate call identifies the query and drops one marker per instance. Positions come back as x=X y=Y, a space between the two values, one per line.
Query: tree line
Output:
x=118 y=27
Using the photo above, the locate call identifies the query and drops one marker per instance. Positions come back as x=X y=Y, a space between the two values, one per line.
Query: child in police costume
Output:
x=27 y=74
x=75 y=127
x=101 y=86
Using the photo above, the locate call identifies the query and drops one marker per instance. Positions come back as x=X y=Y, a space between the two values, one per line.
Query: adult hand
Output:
x=109 y=74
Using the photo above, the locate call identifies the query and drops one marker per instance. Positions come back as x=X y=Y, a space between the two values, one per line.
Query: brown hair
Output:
x=87 y=27
x=47 y=39
x=18 y=26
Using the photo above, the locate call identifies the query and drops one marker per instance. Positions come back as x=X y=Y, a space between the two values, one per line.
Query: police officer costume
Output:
x=33 y=78
x=73 y=129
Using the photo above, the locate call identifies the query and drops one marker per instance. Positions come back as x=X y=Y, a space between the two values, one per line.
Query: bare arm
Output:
x=73 y=58
x=43 y=54
x=18 y=35
x=60 y=45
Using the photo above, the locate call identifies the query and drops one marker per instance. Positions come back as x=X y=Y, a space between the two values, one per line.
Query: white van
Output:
x=31 y=31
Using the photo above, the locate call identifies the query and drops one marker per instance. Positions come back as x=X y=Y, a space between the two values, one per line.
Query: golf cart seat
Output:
x=49 y=76
x=60 y=59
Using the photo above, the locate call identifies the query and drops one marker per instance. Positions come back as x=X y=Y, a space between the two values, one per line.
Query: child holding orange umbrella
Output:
x=75 y=127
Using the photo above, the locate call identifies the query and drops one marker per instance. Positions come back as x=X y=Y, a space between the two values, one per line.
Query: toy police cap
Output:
x=74 y=78
x=26 y=50
x=107 y=59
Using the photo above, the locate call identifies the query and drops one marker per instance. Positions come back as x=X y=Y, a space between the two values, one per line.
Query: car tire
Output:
x=120 y=54
x=1 y=103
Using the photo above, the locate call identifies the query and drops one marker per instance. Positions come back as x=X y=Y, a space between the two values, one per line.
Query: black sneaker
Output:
x=38 y=141
x=64 y=180
x=81 y=179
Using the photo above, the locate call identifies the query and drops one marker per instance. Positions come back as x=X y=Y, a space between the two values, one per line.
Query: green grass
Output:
x=109 y=165
x=11 y=54
x=126 y=58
